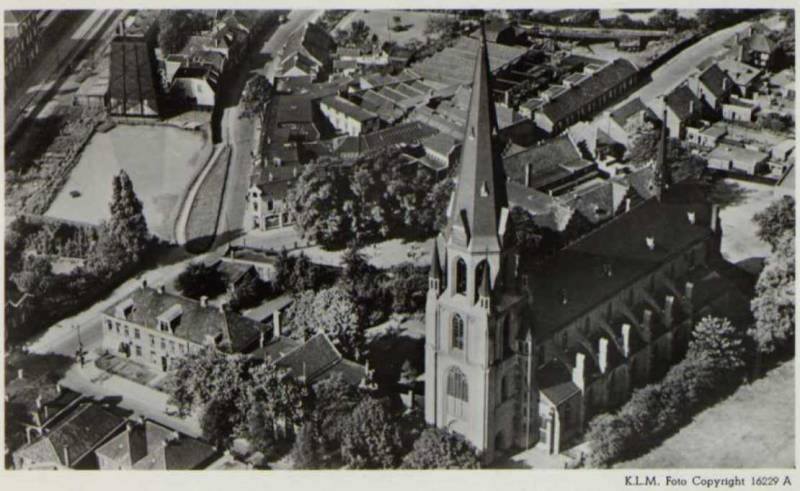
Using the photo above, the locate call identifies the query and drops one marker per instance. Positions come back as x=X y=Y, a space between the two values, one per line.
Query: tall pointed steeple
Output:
x=481 y=191
x=661 y=174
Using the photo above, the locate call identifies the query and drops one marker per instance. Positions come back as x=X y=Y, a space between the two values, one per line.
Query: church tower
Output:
x=477 y=377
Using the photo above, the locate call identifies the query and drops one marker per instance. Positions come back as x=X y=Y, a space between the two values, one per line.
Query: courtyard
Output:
x=160 y=160
x=739 y=201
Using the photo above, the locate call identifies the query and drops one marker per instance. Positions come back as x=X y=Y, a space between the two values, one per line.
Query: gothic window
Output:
x=461 y=277
x=507 y=336
x=457 y=393
x=479 y=277
x=457 y=332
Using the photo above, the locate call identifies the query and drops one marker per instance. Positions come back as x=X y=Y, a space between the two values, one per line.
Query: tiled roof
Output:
x=276 y=349
x=275 y=181
x=717 y=81
x=454 y=65
x=312 y=41
x=600 y=82
x=169 y=450
x=555 y=382
x=77 y=435
x=196 y=322
x=681 y=100
x=553 y=160
x=632 y=108
x=342 y=105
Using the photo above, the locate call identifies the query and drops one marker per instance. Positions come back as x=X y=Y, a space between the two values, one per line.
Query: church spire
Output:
x=481 y=191
x=661 y=174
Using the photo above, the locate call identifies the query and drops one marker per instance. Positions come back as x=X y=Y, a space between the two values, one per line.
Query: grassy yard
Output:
x=380 y=22
x=160 y=161
x=752 y=428
x=201 y=225
x=126 y=369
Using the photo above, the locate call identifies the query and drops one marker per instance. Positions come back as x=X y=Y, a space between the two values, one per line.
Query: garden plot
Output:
x=159 y=160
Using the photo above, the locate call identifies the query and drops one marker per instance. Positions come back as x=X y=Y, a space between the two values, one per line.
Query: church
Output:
x=522 y=352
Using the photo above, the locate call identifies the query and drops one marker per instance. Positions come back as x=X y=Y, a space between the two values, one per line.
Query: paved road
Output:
x=186 y=208
x=238 y=131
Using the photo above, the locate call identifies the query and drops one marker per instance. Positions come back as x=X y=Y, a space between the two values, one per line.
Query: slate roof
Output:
x=550 y=161
x=589 y=89
x=196 y=322
x=578 y=269
x=80 y=433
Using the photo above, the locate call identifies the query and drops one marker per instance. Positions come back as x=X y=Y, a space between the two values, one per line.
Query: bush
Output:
x=437 y=448
x=198 y=280
x=371 y=439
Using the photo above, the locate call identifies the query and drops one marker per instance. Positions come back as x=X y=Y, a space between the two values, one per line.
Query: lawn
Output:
x=381 y=254
x=160 y=160
x=752 y=428
x=201 y=226
x=739 y=201
x=380 y=21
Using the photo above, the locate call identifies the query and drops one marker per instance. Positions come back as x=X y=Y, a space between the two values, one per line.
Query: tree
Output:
x=331 y=311
x=398 y=22
x=199 y=279
x=307 y=452
x=370 y=439
x=218 y=421
x=610 y=437
x=438 y=448
x=773 y=306
x=207 y=375
x=719 y=342
x=124 y=238
x=175 y=27
x=334 y=402
x=249 y=293
x=35 y=277
x=408 y=287
x=776 y=219
x=255 y=95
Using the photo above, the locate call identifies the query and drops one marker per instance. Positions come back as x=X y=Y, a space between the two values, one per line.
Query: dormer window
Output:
x=124 y=309
x=170 y=319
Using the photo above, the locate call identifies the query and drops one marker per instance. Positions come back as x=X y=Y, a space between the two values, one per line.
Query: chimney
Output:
x=39 y=401
x=715 y=217
x=724 y=84
x=669 y=303
x=602 y=354
x=66 y=455
x=261 y=339
x=222 y=308
x=129 y=426
x=626 y=340
x=20 y=374
x=58 y=387
x=161 y=289
x=651 y=243
x=627 y=204
x=528 y=175
x=270 y=177
x=578 y=371
x=144 y=284
x=276 y=324
x=692 y=217
x=647 y=325
x=204 y=301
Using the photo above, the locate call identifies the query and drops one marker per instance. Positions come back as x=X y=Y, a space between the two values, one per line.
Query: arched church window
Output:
x=457 y=385
x=457 y=332
x=479 y=277
x=461 y=276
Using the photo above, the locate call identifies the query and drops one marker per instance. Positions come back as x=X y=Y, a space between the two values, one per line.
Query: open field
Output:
x=160 y=161
x=752 y=428
x=379 y=22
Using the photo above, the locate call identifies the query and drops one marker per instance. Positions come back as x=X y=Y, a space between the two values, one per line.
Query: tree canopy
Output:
x=774 y=303
x=776 y=219
x=175 y=27
x=437 y=448
x=370 y=437
x=199 y=279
